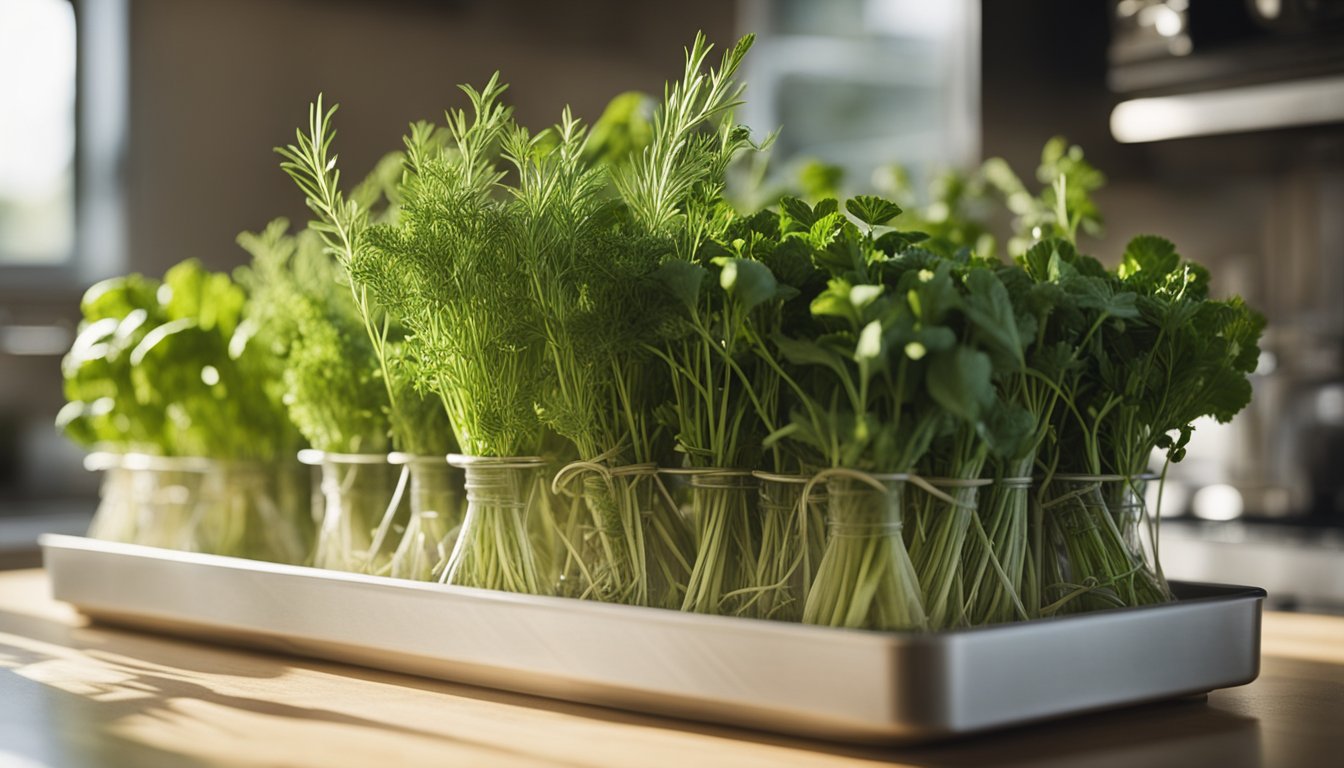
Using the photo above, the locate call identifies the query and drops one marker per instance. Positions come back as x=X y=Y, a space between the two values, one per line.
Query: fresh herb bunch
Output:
x=172 y=368
x=991 y=339
x=102 y=410
x=445 y=269
x=863 y=410
x=334 y=393
x=341 y=225
x=675 y=190
x=593 y=296
x=1177 y=357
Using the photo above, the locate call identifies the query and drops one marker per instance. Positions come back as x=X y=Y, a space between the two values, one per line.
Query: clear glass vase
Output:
x=624 y=543
x=1093 y=552
x=116 y=518
x=435 y=492
x=726 y=535
x=494 y=549
x=601 y=535
x=865 y=579
x=148 y=500
x=999 y=579
x=669 y=543
x=244 y=510
x=360 y=511
x=939 y=517
x=792 y=543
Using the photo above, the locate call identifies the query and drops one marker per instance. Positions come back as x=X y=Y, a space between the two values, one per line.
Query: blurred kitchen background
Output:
x=137 y=133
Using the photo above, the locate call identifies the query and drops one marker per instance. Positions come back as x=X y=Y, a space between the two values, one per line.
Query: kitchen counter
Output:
x=72 y=694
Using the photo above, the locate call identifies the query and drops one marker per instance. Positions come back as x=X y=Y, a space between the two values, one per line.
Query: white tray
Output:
x=838 y=684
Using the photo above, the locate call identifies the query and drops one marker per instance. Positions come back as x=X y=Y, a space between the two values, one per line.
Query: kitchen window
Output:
x=62 y=128
x=37 y=131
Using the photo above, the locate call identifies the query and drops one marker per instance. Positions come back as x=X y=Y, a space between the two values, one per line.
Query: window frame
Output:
x=102 y=104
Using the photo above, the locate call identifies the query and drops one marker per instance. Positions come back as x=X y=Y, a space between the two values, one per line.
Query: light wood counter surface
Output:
x=77 y=695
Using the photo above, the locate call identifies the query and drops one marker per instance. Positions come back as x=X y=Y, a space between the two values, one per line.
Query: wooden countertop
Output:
x=76 y=695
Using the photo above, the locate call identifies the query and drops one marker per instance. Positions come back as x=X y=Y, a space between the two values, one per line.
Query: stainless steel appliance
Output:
x=1252 y=93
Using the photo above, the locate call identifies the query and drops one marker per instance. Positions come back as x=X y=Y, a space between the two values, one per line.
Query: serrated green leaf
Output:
x=797 y=211
x=990 y=310
x=1149 y=259
x=872 y=210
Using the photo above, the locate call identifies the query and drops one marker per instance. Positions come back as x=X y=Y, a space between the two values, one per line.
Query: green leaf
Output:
x=869 y=348
x=1008 y=430
x=118 y=296
x=797 y=211
x=892 y=243
x=1098 y=294
x=936 y=338
x=991 y=311
x=803 y=352
x=835 y=301
x=931 y=293
x=872 y=210
x=1037 y=260
x=751 y=283
x=683 y=280
x=863 y=295
x=1149 y=258
x=825 y=230
x=959 y=381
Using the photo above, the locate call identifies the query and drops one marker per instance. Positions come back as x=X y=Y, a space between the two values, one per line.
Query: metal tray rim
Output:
x=569 y=605
x=850 y=685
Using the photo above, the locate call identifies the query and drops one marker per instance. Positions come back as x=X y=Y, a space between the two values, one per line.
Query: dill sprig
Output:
x=448 y=270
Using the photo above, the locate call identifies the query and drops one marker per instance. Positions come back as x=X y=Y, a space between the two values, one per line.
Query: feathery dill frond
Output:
x=449 y=273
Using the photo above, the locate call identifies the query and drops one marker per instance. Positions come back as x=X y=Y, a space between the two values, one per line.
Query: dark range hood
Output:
x=1204 y=67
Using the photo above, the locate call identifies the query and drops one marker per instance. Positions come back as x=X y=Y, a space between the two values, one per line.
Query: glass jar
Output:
x=726 y=536
x=624 y=543
x=602 y=536
x=1093 y=556
x=242 y=512
x=941 y=513
x=149 y=500
x=669 y=543
x=1000 y=584
x=116 y=518
x=494 y=549
x=362 y=511
x=792 y=542
x=435 y=493
x=865 y=579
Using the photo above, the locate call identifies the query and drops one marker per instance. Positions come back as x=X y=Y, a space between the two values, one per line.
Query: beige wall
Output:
x=216 y=85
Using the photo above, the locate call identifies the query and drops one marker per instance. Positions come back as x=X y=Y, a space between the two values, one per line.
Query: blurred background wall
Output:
x=210 y=87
